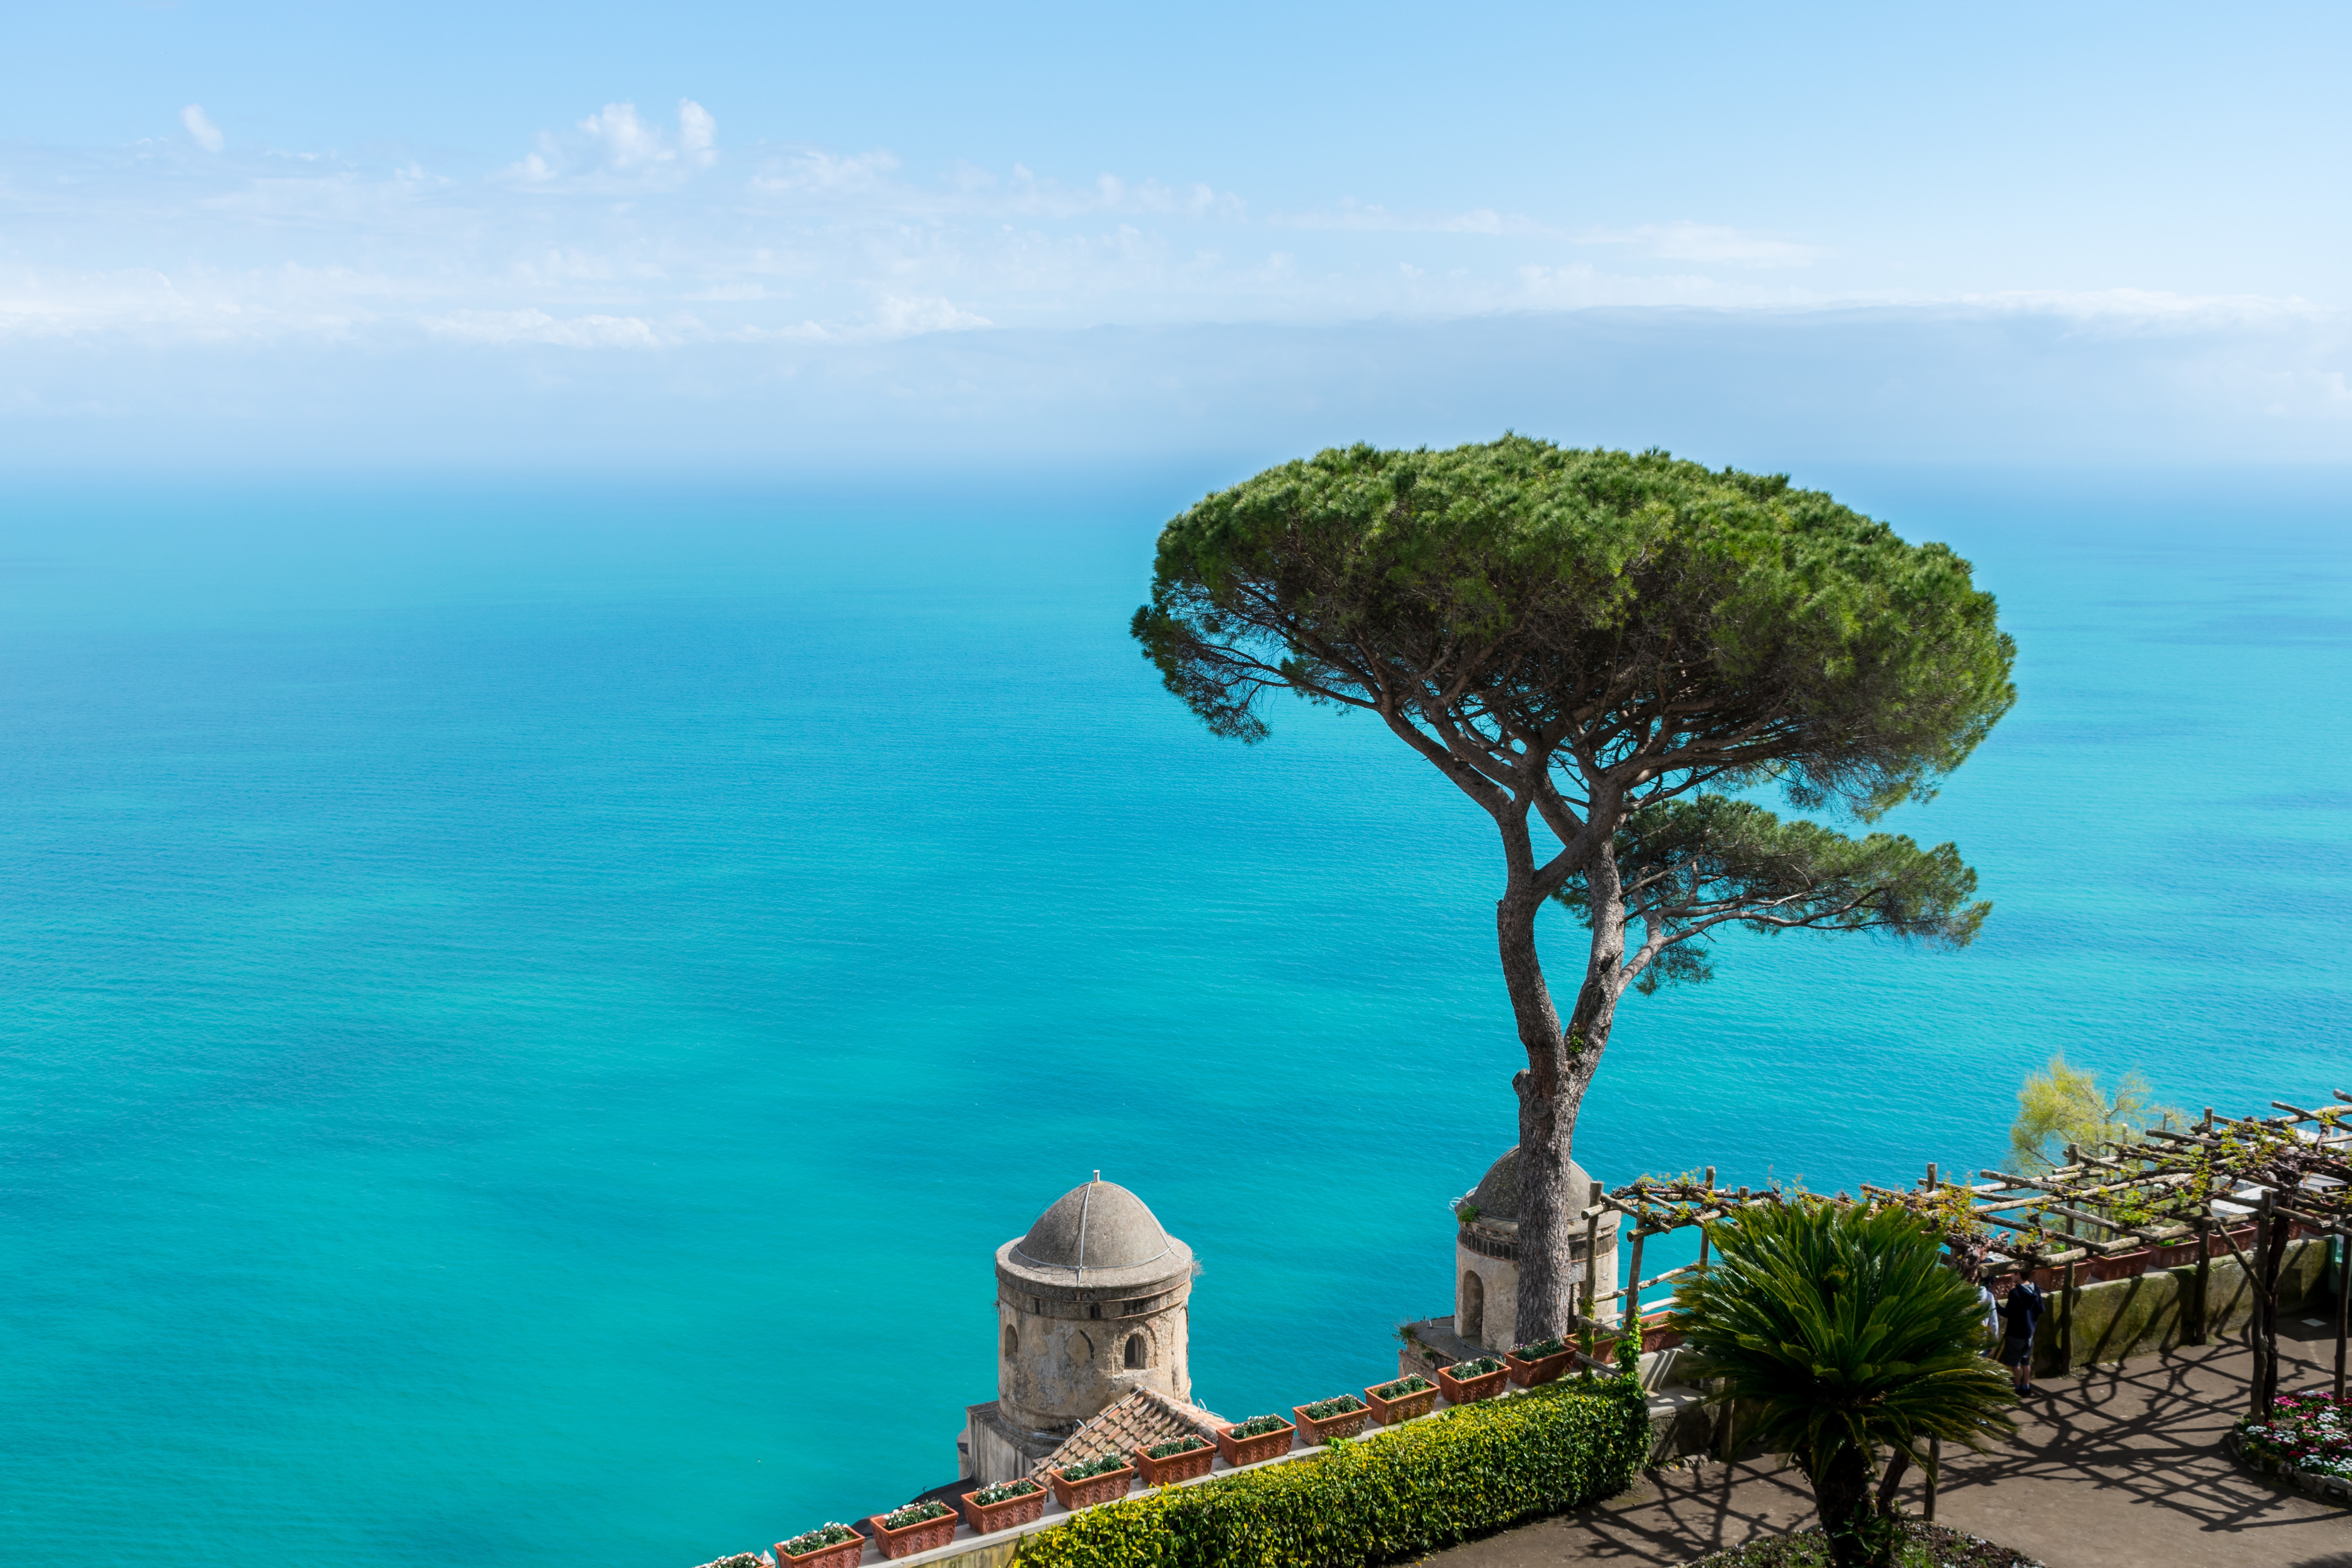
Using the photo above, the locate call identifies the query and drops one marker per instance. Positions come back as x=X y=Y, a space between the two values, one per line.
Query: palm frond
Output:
x=1845 y=1330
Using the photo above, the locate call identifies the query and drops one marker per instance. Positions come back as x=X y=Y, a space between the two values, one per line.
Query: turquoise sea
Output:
x=530 y=1006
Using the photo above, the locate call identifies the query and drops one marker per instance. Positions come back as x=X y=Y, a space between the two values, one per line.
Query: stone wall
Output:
x=2119 y=1317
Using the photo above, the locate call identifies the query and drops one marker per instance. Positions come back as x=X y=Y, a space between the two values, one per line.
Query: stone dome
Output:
x=1099 y=1226
x=1097 y=1238
x=1496 y=1196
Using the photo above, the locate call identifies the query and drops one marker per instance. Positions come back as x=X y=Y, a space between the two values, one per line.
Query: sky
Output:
x=595 y=235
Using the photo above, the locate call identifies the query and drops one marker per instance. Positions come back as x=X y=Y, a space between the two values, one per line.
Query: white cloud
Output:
x=1370 y=217
x=698 y=132
x=616 y=142
x=1686 y=241
x=628 y=143
x=622 y=231
x=903 y=318
x=501 y=327
x=815 y=171
x=2149 y=307
x=206 y=134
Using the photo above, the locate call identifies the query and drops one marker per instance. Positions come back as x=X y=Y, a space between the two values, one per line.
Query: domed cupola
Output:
x=1090 y=1307
x=1095 y=1233
x=1486 y=1254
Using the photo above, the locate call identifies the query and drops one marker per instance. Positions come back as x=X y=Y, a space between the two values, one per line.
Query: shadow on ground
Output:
x=2120 y=1467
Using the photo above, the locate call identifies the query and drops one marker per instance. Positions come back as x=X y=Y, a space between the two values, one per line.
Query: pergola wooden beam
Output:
x=2225 y=1175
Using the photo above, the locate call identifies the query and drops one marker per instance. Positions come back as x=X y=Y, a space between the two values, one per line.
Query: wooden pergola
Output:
x=2245 y=1184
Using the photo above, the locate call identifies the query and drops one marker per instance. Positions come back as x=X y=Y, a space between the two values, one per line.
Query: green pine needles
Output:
x=1845 y=1331
x=1395 y=1494
x=1585 y=642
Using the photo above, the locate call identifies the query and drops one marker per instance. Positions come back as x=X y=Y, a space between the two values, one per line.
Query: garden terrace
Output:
x=2244 y=1188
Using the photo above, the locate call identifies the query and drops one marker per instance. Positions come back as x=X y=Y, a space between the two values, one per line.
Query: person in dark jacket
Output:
x=2021 y=1315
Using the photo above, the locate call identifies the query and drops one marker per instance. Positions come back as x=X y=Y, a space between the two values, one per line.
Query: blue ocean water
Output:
x=530 y=1008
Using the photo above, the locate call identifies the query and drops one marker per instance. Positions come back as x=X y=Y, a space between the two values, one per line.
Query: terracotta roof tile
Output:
x=1141 y=1419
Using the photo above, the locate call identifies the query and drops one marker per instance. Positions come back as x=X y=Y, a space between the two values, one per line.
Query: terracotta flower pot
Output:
x=1184 y=1467
x=1240 y=1451
x=1469 y=1391
x=1345 y=1425
x=1403 y=1407
x=2122 y=1265
x=988 y=1517
x=840 y=1554
x=920 y=1536
x=1542 y=1370
x=1075 y=1495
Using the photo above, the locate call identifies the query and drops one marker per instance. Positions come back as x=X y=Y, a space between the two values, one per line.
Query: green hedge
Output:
x=1406 y=1490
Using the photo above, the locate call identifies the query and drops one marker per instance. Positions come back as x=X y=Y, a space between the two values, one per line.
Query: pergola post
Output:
x=2260 y=1326
x=1633 y=1321
x=2193 y=1332
x=2343 y=1302
x=1591 y=1261
x=2153 y=1190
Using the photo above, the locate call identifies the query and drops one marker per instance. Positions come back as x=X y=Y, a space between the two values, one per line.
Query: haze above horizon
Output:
x=264 y=234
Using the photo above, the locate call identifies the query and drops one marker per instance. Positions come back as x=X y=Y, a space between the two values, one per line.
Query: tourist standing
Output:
x=2022 y=1314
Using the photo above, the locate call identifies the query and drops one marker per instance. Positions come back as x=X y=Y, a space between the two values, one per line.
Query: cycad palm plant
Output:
x=1845 y=1331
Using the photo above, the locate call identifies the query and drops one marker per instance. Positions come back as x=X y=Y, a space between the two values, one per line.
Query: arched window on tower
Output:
x=1012 y=1341
x=1472 y=1308
x=1135 y=1351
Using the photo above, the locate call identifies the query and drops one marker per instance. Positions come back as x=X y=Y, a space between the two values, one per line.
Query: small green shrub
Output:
x=1259 y=1426
x=823 y=1535
x=1324 y=1409
x=1100 y=1465
x=1404 y=1386
x=1409 y=1489
x=1540 y=1350
x=1176 y=1445
x=1005 y=1491
x=915 y=1513
x=1463 y=1371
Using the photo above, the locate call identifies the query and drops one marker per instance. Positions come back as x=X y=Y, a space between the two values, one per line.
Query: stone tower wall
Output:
x=1063 y=1352
x=1487 y=1253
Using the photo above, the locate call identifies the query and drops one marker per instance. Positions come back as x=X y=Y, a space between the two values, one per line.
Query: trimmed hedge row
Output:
x=1409 y=1489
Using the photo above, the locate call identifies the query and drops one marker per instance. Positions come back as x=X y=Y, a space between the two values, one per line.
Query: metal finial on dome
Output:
x=1098 y=1175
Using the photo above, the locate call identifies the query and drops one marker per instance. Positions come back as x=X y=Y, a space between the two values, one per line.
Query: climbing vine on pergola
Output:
x=2243 y=1186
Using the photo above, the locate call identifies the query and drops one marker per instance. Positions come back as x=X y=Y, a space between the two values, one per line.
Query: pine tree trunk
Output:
x=1560 y=1064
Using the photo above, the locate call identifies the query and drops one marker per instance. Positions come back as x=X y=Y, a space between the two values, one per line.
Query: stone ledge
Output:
x=996 y=1550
